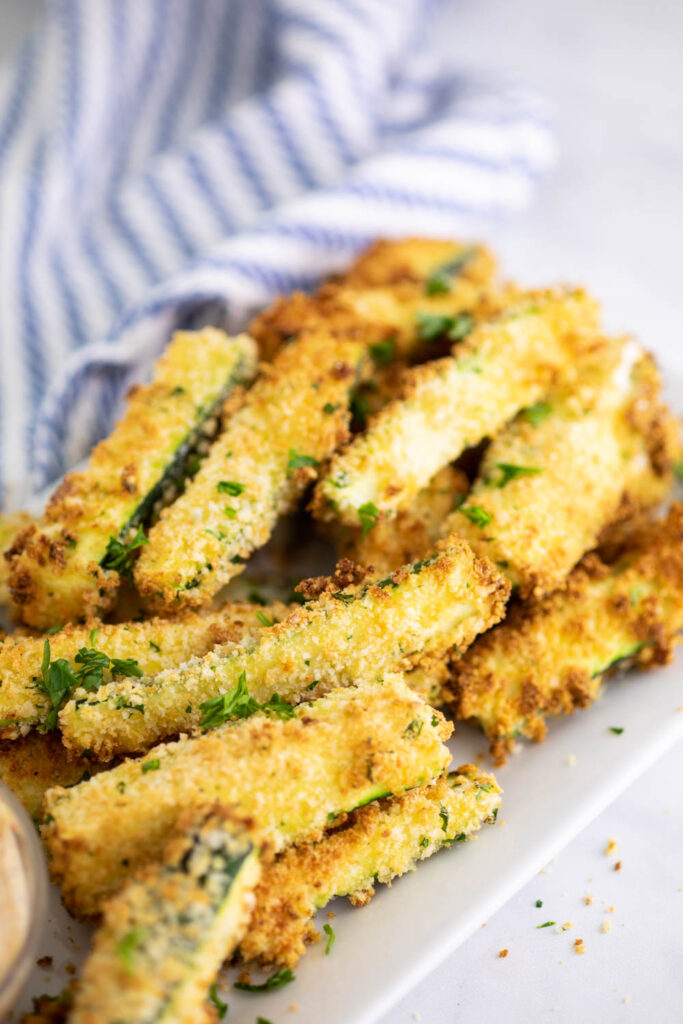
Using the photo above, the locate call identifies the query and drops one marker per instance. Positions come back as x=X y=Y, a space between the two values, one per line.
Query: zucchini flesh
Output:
x=453 y=403
x=153 y=645
x=424 y=608
x=377 y=844
x=165 y=935
x=291 y=775
x=556 y=476
x=294 y=417
x=550 y=657
x=63 y=570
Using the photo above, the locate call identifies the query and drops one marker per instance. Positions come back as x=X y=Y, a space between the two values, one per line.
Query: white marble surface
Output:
x=610 y=217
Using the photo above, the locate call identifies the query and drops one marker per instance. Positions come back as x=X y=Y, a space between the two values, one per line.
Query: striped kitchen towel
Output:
x=171 y=162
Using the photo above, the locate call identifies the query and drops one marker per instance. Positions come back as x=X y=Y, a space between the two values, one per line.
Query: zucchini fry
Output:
x=550 y=657
x=559 y=473
x=291 y=775
x=11 y=525
x=27 y=699
x=388 y=293
x=418 y=261
x=165 y=935
x=31 y=765
x=378 y=843
x=69 y=569
x=357 y=633
x=412 y=533
x=450 y=404
x=293 y=417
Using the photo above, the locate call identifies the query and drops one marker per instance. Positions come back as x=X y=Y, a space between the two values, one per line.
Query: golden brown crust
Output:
x=32 y=765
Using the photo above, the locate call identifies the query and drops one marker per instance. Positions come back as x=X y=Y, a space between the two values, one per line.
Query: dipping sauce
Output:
x=15 y=901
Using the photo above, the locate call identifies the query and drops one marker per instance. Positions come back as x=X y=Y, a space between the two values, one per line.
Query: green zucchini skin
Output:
x=165 y=934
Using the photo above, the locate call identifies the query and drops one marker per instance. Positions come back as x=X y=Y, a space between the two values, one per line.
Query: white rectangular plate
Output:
x=551 y=791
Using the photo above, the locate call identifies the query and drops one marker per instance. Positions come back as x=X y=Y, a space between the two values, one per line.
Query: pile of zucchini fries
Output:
x=488 y=466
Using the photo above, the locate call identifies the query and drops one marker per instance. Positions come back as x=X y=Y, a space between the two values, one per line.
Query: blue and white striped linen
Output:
x=169 y=162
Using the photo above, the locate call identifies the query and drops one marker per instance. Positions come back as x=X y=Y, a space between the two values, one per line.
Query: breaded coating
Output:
x=451 y=404
x=295 y=415
x=66 y=570
x=31 y=765
x=290 y=775
x=415 y=260
x=551 y=481
x=360 y=632
x=155 y=644
x=11 y=525
x=412 y=533
x=378 y=843
x=165 y=935
x=385 y=294
x=549 y=658
x=431 y=678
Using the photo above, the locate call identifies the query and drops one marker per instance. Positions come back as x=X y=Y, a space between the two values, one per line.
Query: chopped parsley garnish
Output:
x=59 y=678
x=229 y=511
x=539 y=903
x=221 y=1007
x=127 y=946
x=616 y=729
x=239 y=703
x=297 y=461
x=414 y=728
x=382 y=352
x=546 y=924
x=431 y=326
x=510 y=472
x=678 y=470
x=118 y=553
x=443 y=814
x=231 y=487
x=329 y=931
x=151 y=766
x=275 y=705
x=441 y=280
x=424 y=842
x=535 y=414
x=276 y=980
x=263 y=618
x=329 y=408
x=476 y=514
x=155 y=647
x=368 y=515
